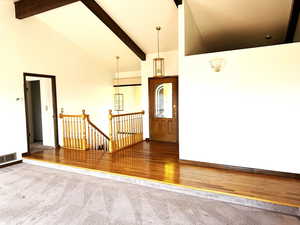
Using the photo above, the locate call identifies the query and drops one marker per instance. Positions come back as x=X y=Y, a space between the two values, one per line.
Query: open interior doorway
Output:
x=41 y=112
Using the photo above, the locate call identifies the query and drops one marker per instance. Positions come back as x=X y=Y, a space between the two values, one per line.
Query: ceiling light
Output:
x=118 y=97
x=158 y=63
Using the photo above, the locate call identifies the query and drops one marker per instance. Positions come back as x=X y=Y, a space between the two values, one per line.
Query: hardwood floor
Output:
x=159 y=161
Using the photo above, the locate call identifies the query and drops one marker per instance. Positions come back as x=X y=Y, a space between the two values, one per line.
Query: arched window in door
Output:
x=163 y=101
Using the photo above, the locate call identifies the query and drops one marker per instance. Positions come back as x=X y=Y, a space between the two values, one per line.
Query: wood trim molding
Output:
x=127 y=85
x=27 y=8
x=178 y=2
x=293 y=21
x=10 y=163
x=241 y=169
x=94 y=7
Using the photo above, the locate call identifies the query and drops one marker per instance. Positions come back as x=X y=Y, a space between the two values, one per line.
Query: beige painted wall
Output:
x=246 y=115
x=171 y=68
x=30 y=46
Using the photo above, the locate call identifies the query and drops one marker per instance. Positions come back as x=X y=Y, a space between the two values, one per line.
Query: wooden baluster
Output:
x=122 y=130
x=134 y=130
x=84 y=122
x=138 y=127
x=110 y=131
x=91 y=139
x=69 y=133
x=64 y=133
x=142 y=130
x=127 y=130
x=88 y=137
x=76 y=132
x=141 y=127
x=98 y=141
x=78 y=124
x=115 y=133
x=94 y=139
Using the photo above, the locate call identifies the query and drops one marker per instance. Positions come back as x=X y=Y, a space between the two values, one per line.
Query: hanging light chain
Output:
x=118 y=74
x=158 y=28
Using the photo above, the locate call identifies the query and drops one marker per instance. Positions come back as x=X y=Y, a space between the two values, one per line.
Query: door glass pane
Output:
x=163 y=101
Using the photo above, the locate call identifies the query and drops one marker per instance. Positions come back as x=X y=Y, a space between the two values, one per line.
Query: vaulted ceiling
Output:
x=232 y=24
x=137 y=18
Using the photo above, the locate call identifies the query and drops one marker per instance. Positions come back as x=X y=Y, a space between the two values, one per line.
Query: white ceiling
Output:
x=137 y=18
x=236 y=24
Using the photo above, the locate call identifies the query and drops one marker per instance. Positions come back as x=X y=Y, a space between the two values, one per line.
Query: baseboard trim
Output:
x=241 y=169
x=10 y=163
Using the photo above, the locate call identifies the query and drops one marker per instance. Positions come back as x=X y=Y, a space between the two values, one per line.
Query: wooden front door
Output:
x=163 y=109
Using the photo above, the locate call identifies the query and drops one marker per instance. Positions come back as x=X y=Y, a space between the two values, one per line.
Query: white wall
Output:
x=171 y=69
x=30 y=46
x=246 y=115
x=194 y=43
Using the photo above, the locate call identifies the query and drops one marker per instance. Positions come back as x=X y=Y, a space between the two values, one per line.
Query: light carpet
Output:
x=33 y=195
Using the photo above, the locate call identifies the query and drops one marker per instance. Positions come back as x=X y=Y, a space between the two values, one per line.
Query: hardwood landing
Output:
x=159 y=161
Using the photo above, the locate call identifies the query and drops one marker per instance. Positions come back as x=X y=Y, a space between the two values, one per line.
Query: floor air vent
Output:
x=8 y=158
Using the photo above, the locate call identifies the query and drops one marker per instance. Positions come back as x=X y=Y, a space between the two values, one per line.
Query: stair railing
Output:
x=81 y=134
x=125 y=129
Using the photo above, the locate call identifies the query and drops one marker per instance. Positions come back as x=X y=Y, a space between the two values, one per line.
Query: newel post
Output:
x=110 y=117
x=61 y=114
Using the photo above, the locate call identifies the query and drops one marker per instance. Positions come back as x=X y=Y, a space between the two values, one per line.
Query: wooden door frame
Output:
x=156 y=78
x=54 y=105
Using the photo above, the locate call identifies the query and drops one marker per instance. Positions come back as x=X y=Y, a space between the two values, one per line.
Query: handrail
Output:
x=126 y=114
x=94 y=126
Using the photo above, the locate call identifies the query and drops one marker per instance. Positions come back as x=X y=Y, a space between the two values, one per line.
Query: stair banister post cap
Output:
x=110 y=114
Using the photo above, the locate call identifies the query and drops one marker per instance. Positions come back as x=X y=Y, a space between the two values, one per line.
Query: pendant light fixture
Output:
x=158 y=63
x=118 y=97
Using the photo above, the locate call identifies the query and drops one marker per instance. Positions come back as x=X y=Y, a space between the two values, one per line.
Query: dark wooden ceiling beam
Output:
x=114 y=27
x=293 y=22
x=27 y=8
x=178 y=2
